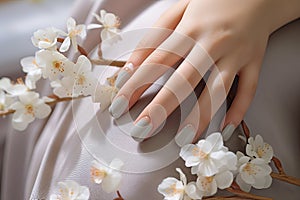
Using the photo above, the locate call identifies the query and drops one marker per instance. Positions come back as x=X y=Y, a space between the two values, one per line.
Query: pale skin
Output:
x=234 y=34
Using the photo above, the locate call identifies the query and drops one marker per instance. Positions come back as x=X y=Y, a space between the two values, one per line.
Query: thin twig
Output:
x=97 y=61
x=115 y=63
x=119 y=196
x=245 y=129
x=225 y=197
x=246 y=194
x=278 y=165
x=286 y=178
x=4 y=113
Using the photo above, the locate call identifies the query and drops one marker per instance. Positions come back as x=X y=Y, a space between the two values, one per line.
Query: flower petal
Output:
x=5 y=83
x=98 y=18
x=112 y=182
x=258 y=141
x=110 y=20
x=83 y=64
x=74 y=43
x=224 y=179
x=243 y=185
x=192 y=161
x=216 y=141
x=71 y=23
x=166 y=188
x=20 y=126
x=187 y=151
x=207 y=185
x=105 y=35
x=116 y=164
x=42 y=110
x=192 y=191
x=65 y=45
x=182 y=176
x=29 y=97
x=94 y=26
x=263 y=182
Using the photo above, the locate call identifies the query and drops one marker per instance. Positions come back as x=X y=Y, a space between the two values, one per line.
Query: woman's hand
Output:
x=227 y=37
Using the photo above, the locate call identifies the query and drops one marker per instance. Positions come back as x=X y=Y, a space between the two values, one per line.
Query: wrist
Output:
x=282 y=12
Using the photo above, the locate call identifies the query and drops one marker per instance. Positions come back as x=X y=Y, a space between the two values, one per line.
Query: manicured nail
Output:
x=228 y=131
x=118 y=106
x=185 y=136
x=124 y=75
x=141 y=129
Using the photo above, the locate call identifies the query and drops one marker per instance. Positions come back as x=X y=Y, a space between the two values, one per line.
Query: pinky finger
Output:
x=248 y=80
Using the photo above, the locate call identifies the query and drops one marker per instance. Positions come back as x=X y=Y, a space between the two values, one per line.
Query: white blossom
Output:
x=74 y=31
x=80 y=82
x=13 y=90
x=253 y=173
x=63 y=88
x=27 y=109
x=209 y=185
x=53 y=64
x=174 y=189
x=108 y=176
x=71 y=190
x=208 y=156
x=33 y=70
x=45 y=39
x=257 y=148
x=104 y=94
x=5 y=101
x=109 y=24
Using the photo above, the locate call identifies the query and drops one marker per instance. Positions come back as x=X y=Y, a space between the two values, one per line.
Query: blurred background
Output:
x=18 y=20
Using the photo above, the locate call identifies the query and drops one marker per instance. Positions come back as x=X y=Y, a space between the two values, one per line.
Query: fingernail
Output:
x=124 y=75
x=228 y=131
x=185 y=136
x=118 y=106
x=141 y=129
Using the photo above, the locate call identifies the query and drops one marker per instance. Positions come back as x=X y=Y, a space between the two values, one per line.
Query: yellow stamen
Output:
x=98 y=173
x=261 y=151
x=198 y=153
x=172 y=190
x=249 y=169
x=80 y=80
x=58 y=65
x=35 y=63
x=29 y=109
x=73 y=33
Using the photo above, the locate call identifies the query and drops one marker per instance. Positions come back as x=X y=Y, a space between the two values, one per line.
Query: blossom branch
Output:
x=100 y=61
x=278 y=165
x=247 y=195
x=281 y=175
x=115 y=63
x=119 y=196
x=245 y=129
x=286 y=178
x=225 y=197
x=57 y=100
x=4 y=113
